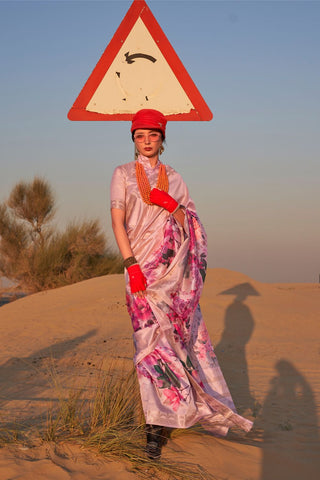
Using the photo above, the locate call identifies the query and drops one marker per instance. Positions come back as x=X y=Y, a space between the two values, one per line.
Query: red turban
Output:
x=148 y=118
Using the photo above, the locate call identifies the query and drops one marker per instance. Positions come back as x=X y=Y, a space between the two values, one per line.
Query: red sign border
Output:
x=138 y=8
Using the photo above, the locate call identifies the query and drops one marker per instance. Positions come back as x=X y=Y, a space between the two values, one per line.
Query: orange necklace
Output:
x=144 y=185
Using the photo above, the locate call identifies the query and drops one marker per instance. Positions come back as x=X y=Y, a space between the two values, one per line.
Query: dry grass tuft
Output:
x=106 y=419
x=110 y=422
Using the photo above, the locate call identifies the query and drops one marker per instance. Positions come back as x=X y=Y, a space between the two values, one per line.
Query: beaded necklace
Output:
x=144 y=185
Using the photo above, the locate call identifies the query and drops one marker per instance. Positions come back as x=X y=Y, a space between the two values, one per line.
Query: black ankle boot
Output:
x=154 y=441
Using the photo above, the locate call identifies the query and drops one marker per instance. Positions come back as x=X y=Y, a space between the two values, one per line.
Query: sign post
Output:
x=139 y=69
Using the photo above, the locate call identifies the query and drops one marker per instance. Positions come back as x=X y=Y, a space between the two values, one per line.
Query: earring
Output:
x=136 y=153
x=161 y=149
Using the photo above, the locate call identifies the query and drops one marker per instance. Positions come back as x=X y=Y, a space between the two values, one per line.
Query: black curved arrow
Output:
x=130 y=58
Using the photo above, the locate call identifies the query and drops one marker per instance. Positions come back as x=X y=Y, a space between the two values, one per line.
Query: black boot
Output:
x=154 y=441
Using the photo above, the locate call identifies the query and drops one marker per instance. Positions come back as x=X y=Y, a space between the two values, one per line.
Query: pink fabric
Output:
x=180 y=379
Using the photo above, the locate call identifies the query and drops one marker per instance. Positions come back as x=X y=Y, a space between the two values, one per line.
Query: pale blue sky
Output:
x=253 y=171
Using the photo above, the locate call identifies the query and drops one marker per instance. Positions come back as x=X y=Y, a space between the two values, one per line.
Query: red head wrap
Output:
x=148 y=118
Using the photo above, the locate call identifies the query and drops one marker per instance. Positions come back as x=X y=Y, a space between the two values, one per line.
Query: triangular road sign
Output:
x=139 y=69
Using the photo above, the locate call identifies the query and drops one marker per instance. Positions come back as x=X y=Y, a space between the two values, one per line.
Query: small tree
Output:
x=33 y=203
x=35 y=256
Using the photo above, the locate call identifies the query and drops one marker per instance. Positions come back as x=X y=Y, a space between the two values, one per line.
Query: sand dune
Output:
x=266 y=337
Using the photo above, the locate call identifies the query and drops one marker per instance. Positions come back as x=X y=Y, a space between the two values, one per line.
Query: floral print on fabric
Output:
x=180 y=379
x=163 y=258
x=140 y=312
x=167 y=375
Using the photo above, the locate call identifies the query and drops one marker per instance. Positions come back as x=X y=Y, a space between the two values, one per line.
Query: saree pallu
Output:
x=180 y=380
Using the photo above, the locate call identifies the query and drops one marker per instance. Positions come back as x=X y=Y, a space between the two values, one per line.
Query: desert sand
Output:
x=266 y=337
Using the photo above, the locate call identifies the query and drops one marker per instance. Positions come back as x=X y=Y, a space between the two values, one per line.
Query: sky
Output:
x=253 y=171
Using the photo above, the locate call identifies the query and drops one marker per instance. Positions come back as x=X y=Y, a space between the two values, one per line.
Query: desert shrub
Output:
x=36 y=256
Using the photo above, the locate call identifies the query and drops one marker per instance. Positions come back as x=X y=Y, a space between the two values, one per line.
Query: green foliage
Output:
x=38 y=258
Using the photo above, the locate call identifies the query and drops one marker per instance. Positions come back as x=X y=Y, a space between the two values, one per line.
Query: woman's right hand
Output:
x=138 y=282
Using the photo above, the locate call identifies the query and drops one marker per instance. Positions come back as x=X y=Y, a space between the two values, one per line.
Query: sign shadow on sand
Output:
x=231 y=349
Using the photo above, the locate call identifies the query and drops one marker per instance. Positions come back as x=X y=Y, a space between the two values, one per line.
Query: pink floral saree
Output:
x=180 y=380
x=179 y=376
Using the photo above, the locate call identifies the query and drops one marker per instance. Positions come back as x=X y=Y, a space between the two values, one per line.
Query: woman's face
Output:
x=147 y=142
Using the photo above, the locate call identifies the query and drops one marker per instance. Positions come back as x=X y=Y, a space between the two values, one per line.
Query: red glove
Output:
x=137 y=279
x=163 y=199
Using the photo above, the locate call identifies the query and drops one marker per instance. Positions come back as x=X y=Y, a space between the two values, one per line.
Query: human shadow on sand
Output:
x=291 y=443
x=231 y=349
x=26 y=378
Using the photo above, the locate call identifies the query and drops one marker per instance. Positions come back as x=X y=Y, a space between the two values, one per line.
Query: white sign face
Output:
x=139 y=77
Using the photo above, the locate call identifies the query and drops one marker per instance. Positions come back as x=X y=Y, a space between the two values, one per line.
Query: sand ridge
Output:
x=266 y=337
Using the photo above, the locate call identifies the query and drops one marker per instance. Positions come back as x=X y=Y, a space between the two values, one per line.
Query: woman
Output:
x=163 y=245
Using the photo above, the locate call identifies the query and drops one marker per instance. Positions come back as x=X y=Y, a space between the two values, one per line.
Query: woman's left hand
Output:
x=163 y=199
